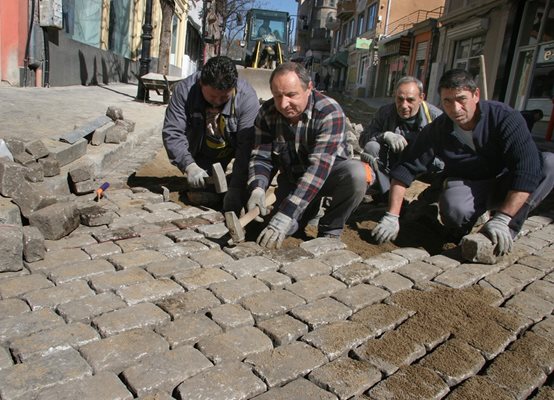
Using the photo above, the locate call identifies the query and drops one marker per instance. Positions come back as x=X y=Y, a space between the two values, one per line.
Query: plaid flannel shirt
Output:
x=317 y=141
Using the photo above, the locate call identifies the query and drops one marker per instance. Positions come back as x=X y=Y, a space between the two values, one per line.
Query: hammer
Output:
x=236 y=225
x=218 y=178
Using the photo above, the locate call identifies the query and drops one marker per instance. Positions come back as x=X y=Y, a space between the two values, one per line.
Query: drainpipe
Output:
x=387 y=17
x=146 y=37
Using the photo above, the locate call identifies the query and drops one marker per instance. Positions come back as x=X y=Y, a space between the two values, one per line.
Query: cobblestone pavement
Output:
x=157 y=305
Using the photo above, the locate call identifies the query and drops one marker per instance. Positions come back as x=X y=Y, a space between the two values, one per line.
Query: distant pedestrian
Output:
x=317 y=79
x=326 y=81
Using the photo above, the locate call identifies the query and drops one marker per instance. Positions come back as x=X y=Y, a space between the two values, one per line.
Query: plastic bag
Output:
x=4 y=151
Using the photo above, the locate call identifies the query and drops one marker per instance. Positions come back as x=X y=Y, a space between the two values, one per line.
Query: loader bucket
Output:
x=258 y=79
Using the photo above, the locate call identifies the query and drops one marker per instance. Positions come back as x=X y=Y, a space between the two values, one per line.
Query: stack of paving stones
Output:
x=146 y=299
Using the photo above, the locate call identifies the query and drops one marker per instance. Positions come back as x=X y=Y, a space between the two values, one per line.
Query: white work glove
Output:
x=196 y=176
x=396 y=142
x=387 y=229
x=273 y=235
x=371 y=160
x=232 y=201
x=498 y=231
x=257 y=199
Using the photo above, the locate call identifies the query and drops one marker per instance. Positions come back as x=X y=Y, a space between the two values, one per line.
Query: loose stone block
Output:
x=5 y=359
x=231 y=316
x=194 y=301
x=26 y=380
x=96 y=215
x=334 y=376
x=297 y=389
x=250 y=266
x=104 y=385
x=50 y=166
x=54 y=296
x=17 y=286
x=66 y=153
x=361 y=296
x=236 y=344
x=286 y=363
x=9 y=212
x=56 y=221
x=381 y=318
x=89 y=307
x=337 y=338
x=236 y=290
x=269 y=305
x=151 y=291
x=11 y=176
x=37 y=149
x=386 y=261
x=188 y=330
x=283 y=329
x=413 y=381
x=23 y=158
x=165 y=371
x=478 y=248
x=138 y=316
x=33 y=244
x=115 y=113
x=123 y=350
x=53 y=340
x=355 y=274
x=80 y=174
x=315 y=288
x=11 y=248
x=34 y=173
x=230 y=381
x=321 y=312
x=454 y=361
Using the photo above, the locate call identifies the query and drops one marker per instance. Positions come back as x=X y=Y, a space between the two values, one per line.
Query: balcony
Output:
x=346 y=9
x=320 y=44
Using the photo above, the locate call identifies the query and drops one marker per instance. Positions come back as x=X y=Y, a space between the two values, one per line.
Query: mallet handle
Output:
x=250 y=215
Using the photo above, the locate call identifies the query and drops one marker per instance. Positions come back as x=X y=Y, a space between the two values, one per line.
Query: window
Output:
x=351 y=32
x=371 y=17
x=360 y=24
x=466 y=55
x=82 y=20
x=119 y=29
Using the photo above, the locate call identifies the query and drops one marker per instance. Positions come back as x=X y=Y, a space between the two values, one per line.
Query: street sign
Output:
x=362 y=43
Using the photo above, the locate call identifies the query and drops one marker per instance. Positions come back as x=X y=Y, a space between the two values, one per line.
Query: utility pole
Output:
x=146 y=37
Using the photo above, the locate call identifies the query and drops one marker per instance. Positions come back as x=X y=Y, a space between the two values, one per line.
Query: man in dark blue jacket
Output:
x=491 y=163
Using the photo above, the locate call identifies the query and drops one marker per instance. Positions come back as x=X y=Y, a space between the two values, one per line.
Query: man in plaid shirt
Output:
x=301 y=133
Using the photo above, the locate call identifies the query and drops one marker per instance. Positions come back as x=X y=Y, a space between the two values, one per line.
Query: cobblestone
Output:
x=361 y=296
x=419 y=271
x=321 y=312
x=316 y=287
x=125 y=319
x=114 y=280
x=102 y=250
x=236 y=290
x=513 y=279
x=171 y=267
x=13 y=287
x=283 y=329
x=135 y=259
x=297 y=389
x=386 y=261
x=381 y=318
x=188 y=330
x=250 y=266
x=202 y=278
x=392 y=282
x=54 y=296
x=231 y=316
x=12 y=307
x=89 y=307
x=151 y=291
x=307 y=268
x=28 y=323
x=530 y=306
x=355 y=273
x=104 y=385
x=264 y=306
x=195 y=301
x=82 y=270
x=339 y=258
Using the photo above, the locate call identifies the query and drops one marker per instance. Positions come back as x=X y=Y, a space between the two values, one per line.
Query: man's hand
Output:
x=387 y=229
x=498 y=231
x=396 y=142
x=196 y=176
x=233 y=200
x=371 y=160
x=273 y=235
x=257 y=199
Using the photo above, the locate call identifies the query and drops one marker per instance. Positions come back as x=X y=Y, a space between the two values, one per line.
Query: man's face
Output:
x=291 y=98
x=461 y=105
x=408 y=99
x=216 y=97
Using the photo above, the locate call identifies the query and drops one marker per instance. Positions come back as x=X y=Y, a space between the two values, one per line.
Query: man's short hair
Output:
x=220 y=73
x=298 y=69
x=409 y=79
x=537 y=112
x=457 y=79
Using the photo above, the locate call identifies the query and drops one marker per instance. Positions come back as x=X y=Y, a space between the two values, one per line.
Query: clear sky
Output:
x=290 y=6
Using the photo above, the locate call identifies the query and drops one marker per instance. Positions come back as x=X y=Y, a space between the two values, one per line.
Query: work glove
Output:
x=371 y=160
x=232 y=201
x=196 y=176
x=257 y=199
x=273 y=235
x=498 y=231
x=396 y=142
x=387 y=229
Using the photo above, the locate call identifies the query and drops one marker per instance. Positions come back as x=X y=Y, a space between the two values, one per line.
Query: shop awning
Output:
x=339 y=60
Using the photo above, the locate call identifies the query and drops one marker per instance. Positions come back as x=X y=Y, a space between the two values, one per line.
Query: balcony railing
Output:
x=345 y=9
x=410 y=20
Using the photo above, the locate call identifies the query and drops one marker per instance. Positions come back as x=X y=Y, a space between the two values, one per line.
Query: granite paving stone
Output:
x=442 y=261
x=286 y=363
x=195 y=301
x=110 y=234
x=77 y=241
x=118 y=352
x=89 y=307
x=490 y=338
x=151 y=291
x=283 y=329
x=316 y=287
x=54 y=296
x=381 y=318
x=466 y=275
x=530 y=305
x=250 y=266
x=413 y=381
x=454 y=361
x=542 y=289
x=233 y=380
x=133 y=317
x=5 y=358
x=135 y=259
x=183 y=235
x=188 y=330
x=346 y=377
x=165 y=371
x=355 y=273
x=28 y=323
x=419 y=271
x=285 y=256
x=390 y=352
x=386 y=262
x=537 y=349
x=112 y=281
x=533 y=242
x=337 y=338
x=12 y=307
x=421 y=330
x=245 y=250
x=307 y=268
x=53 y=259
x=104 y=385
x=213 y=231
x=102 y=250
x=392 y=282
x=231 y=316
x=212 y=258
x=479 y=387
x=80 y=270
x=321 y=246
x=235 y=344
x=544 y=393
x=202 y=277
x=275 y=280
x=150 y=242
x=159 y=217
x=235 y=290
x=184 y=249
x=171 y=267
x=298 y=389
x=17 y=286
x=321 y=312
x=339 y=258
x=156 y=395
x=411 y=254
x=513 y=279
x=26 y=380
x=163 y=206
x=360 y=296
x=545 y=328
x=269 y=305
